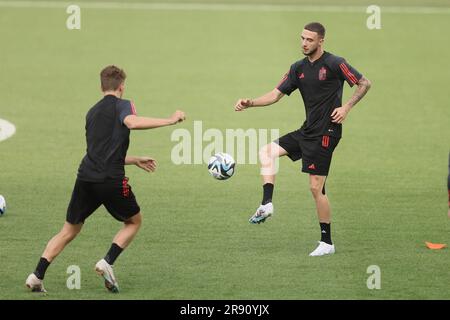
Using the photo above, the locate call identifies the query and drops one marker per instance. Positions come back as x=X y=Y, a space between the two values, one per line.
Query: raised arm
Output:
x=134 y=122
x=269 y=98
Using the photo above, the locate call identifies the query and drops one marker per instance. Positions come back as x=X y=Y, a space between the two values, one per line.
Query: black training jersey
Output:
x=321 y=84
x=107 y=139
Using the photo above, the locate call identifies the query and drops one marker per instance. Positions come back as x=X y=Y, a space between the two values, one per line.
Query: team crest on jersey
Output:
x=322 y=73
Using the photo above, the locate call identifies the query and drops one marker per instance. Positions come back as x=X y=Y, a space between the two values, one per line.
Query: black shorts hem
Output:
x=315 y=173
x=73 y=222
x=121 y=217
x=294 y=156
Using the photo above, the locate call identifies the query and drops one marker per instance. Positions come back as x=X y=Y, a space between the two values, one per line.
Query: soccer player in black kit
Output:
x=320 y=78
x=101 y=177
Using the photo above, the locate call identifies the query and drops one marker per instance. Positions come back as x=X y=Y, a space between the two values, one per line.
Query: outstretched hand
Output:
x=178 y=116
x=243 y=104
x=146 y=163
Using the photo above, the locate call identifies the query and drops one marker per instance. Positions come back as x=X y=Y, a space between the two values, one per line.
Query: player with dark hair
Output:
x=101 y=177
x=320 y=78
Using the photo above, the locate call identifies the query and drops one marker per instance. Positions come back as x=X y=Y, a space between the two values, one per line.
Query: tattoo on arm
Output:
x=363 y=86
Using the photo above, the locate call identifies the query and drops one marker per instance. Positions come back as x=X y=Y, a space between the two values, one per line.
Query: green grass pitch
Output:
x=387 y=184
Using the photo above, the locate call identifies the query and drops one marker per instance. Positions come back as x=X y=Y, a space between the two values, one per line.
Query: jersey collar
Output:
x=316 y=61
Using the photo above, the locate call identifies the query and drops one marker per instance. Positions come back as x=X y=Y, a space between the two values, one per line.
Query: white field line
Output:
x=7 y=129
x=220 y=7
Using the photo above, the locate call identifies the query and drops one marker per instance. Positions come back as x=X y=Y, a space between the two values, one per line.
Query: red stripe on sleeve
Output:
x=283 y=80
x=348 y=74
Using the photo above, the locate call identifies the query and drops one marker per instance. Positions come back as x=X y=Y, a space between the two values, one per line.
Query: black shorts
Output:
x=115 y=195
x=315 y=152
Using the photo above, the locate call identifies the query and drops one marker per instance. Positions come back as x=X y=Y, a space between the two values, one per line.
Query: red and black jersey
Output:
x=321 y=84
x=107 y=139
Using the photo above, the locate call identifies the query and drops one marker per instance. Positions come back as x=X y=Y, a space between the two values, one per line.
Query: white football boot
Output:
x=322 y=249
x=262 y=213
x=105 y=270
x=35 y=284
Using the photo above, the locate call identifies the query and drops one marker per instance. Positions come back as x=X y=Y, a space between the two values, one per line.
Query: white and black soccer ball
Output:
x=221 y=166
x=2 y=205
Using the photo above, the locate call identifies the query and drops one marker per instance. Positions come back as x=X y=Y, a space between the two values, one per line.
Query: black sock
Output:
x=113 y=253
x=325 y=231
x=268 y=192
x=41 y=268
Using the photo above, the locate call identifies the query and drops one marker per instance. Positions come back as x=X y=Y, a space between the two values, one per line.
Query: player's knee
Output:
x=70 y=231
x=265 y=154
x=135 y=220
x=138 y=219
x=69 y=234
x=316 y=190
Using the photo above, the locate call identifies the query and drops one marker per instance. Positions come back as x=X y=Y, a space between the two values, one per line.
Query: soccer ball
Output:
x=2 y=205
x=221 y=166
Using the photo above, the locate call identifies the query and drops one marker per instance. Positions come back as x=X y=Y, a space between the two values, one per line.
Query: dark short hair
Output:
x=316 y=27
x=112 y=77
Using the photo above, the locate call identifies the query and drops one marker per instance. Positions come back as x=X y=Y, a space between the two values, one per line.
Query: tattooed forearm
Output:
x=363 y=86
